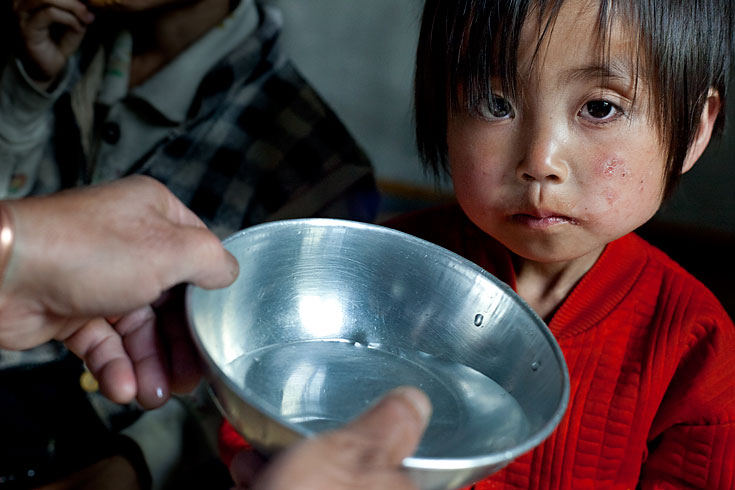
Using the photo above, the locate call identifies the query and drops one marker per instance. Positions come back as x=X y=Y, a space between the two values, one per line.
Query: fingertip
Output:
x=153 y=385
x=406 y=404
x=154 y=397
x=142 y=345
x=395 y=423
x=416 y=399
x=226 y=273
x=214 y=266
x=233 y=266
x=117 y=381
x=85 y=14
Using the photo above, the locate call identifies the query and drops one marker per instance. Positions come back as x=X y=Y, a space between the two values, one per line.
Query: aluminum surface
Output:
x=327 y=315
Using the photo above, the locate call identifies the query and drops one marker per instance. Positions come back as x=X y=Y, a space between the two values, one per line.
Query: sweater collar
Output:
x=601 y=289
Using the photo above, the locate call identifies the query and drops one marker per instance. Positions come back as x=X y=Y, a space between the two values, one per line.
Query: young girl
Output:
x=563 y=125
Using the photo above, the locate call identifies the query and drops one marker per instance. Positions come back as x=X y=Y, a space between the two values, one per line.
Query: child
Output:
x=563 y=125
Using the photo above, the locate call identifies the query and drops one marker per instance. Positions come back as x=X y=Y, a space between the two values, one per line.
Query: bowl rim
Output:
x=410 y=462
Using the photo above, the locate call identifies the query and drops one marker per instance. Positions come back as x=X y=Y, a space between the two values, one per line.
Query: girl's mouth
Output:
x=542 y=221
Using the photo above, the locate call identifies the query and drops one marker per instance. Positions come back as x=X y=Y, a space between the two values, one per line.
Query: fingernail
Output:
x=234 y=265
x=417 y=399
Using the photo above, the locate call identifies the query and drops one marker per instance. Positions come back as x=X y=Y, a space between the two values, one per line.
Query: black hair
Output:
x=684 y=50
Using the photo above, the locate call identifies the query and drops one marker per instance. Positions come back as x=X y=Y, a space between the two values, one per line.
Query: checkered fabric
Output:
x=259 y=144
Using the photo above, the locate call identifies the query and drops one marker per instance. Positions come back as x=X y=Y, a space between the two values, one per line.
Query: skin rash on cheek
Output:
x=612 y=171
x=614 y=168
x=622 y=191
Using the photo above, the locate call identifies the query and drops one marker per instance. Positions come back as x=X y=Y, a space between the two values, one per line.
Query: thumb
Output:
x=209 y=264
x=365 y=453
x=393 y=426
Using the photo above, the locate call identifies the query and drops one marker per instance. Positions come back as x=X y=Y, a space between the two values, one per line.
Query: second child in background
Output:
x=199 y=95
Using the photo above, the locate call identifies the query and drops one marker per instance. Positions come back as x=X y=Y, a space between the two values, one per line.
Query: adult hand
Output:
x=365 y=454
x=51 y=31
x=84 y=258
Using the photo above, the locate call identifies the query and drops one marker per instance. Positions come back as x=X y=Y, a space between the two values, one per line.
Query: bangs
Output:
x=465 y=45
x=677 y=47
x=493 y=38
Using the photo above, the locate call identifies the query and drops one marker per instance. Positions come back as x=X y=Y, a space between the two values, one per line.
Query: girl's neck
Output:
x=159 y=37
x=544 y=286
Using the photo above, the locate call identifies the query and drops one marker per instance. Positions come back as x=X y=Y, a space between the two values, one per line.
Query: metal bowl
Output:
x=328 y=315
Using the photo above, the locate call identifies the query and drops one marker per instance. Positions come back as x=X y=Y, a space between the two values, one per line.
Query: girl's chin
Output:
x=551 y=251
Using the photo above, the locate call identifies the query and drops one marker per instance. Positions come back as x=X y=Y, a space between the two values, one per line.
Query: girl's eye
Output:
x=600 y=110
x=500 y=107
x=497 y=108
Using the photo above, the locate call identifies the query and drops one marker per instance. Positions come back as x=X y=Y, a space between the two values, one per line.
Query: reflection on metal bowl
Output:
x=328 y=315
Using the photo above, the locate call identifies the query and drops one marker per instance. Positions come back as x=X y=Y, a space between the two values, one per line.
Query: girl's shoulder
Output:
x=665 y=283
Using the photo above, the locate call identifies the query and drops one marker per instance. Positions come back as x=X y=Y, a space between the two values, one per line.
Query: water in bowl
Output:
x=319 y=385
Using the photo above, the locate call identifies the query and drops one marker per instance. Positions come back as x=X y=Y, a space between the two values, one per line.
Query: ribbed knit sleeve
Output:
x=692 y=438
x=692 y=456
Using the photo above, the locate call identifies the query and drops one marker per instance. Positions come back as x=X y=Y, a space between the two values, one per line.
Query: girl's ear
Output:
x=710 y=111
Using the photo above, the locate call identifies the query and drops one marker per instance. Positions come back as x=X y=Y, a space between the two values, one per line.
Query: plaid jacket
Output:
x=259 y=144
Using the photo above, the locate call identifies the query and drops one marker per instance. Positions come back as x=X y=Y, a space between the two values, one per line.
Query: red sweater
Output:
x=651 y=358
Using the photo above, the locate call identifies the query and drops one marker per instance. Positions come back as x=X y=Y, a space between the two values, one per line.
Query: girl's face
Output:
x=573 y=164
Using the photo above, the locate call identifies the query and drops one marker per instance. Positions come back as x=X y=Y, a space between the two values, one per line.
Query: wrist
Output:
x=41 y=82
x=16 y=256
x=40 y=93
x=26 y=263
x=26 y=110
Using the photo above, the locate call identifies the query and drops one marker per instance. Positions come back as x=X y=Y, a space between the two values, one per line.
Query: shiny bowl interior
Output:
x=327 y=315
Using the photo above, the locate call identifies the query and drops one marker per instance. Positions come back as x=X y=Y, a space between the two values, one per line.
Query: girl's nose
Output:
x=543 y=161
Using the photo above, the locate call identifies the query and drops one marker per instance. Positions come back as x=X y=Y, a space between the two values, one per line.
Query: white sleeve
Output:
x=26 y=124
